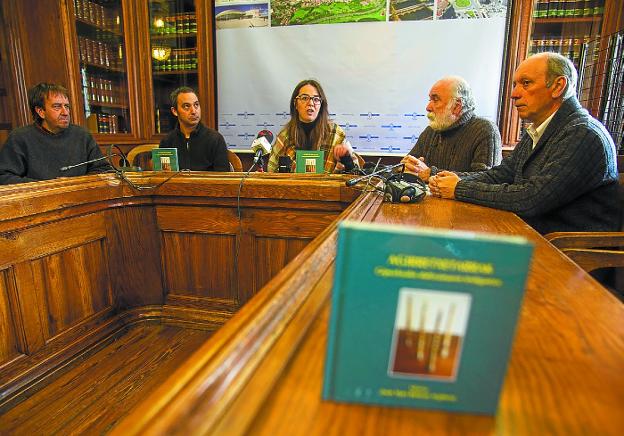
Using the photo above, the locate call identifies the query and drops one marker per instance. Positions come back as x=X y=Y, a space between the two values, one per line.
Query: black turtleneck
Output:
x=307 y=129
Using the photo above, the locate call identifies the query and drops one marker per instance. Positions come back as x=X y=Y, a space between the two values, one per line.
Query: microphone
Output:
x=69 y=167
x=261 y=146
x=356 y=180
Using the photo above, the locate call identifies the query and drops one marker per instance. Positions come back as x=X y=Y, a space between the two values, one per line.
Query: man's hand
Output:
x=443 y=184
x=417 y=166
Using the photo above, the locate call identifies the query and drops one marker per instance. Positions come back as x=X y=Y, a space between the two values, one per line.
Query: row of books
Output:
x=175 y=24
x=100 y=53
x=97 y=15
x=569 y=47
x=180 y=60
x=105 y=123
x=568 y=8
x=103 y=90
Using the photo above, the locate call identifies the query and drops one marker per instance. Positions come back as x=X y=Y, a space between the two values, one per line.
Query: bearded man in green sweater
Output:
x=456 y=139
x=39 y=151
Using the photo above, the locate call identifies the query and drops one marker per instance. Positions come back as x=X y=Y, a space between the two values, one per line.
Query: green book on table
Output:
x=310 y=161
x=165 y=159
x=423 y=318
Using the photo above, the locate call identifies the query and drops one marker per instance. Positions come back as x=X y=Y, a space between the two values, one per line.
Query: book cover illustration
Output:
x=165 y=159
x=423 y=318
x=310 y=161
x=428 y=333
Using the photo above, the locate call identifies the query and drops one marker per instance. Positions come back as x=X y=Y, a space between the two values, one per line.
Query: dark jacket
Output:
x=32 y=154
x=205 y=150
x=569 y=182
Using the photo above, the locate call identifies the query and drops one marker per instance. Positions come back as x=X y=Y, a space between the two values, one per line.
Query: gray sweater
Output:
x=31 y=154
x=569 y=182
x=470 y=144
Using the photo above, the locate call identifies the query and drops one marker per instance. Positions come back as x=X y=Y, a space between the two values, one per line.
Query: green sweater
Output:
x=470 y=144
x=30 y=154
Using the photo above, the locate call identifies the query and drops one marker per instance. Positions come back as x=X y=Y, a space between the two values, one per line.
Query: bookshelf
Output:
x=174 y=55
x=102 y=66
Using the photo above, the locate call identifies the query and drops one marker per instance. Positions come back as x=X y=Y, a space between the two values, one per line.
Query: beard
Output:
x=443 y=121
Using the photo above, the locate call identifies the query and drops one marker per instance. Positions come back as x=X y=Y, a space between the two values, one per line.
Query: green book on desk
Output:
x=165 y=159
x=310 y=161
x=423 y=318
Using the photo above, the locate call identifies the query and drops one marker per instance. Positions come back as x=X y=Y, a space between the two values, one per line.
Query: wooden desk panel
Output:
x=82 y=257
x=564 y=375
x=261 y=371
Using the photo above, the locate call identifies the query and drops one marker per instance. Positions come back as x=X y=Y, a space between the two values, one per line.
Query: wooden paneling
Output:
x=516 y=51
x=60 y=275
x=273 y=254
x=70 y=286
x=39 y=241
x=83 y=259
x=199 y=264
x=196 y=219
x=134 y=256
x=569 y=344
x=9 y=348
x=286 y=223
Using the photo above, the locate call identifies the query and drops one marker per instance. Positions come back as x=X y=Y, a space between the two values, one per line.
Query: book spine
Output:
x=333 y=332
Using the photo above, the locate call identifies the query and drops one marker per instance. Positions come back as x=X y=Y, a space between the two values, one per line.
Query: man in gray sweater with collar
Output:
x=456 y=139
x=40 y=150
x=562 y=175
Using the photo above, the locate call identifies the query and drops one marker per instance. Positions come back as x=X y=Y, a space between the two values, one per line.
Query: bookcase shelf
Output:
x=98 y=27
x=108 y=69
x=173 y=73
x=170 y=36
x=556 y=20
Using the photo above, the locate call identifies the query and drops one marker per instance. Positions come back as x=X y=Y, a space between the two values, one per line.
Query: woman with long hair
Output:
x=310 y=128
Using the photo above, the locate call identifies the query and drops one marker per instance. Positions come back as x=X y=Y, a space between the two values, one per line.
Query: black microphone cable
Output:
x=122 y=174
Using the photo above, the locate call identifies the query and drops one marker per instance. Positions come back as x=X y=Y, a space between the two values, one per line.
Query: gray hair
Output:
x=557 y=66
x=461 y=90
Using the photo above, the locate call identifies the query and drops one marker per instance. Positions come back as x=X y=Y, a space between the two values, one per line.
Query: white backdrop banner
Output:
x=376 y=75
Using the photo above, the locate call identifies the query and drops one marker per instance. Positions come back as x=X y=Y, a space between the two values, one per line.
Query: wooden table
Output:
x=261 y=373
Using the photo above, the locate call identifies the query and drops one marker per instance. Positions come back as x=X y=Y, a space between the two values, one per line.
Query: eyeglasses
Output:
x=305 y=98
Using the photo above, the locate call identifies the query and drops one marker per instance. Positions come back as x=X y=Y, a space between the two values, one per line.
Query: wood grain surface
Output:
x=260 y=372
x=105 y=386
x=83 y=259
x=563 y=376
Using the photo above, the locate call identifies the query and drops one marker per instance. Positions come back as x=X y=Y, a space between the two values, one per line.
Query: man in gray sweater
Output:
x=456 y=139
x=562 y=175
x=40 y=150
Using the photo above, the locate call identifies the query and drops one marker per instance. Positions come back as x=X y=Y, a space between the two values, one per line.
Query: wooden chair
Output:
x=595 y=250
x=146 y=162
x=591 y=250
x=235 y=162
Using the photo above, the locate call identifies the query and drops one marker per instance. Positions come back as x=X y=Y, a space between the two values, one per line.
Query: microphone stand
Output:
x=69 y=167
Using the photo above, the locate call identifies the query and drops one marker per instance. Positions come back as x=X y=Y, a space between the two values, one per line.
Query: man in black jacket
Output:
x=200 y=148
x=562 y=175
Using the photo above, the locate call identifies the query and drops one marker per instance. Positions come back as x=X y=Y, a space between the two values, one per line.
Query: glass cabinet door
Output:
x=173 y=45
x=564 y=26
x=102 y=61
